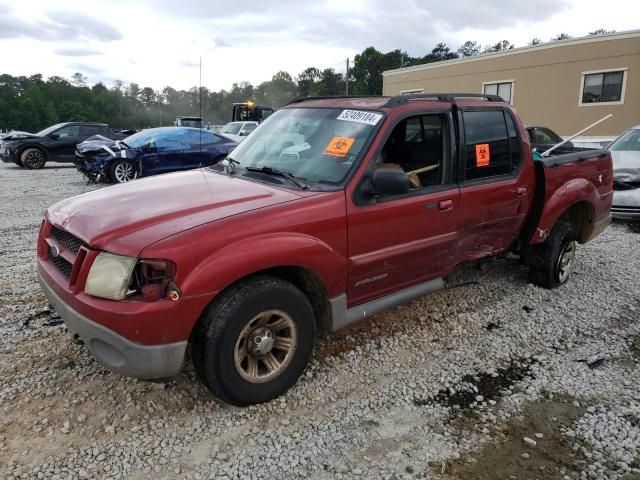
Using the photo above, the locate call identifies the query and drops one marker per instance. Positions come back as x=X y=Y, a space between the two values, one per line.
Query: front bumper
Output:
x=626 y=204
x=116 y=352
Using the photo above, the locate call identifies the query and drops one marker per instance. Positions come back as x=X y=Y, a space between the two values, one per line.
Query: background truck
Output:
x=56 y=143
x=334 y=210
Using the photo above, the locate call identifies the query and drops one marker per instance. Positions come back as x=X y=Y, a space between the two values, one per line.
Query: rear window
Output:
x=492 y=147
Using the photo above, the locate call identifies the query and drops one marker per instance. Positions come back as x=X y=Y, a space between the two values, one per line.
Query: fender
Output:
x=23 y=146
x=563 y=198
x=236 y=261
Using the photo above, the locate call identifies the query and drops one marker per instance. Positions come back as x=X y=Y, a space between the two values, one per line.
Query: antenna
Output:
x=200 y=102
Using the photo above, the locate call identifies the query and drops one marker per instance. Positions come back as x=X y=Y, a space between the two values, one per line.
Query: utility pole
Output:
x=347 y=77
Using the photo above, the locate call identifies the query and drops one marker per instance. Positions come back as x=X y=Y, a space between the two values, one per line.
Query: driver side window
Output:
x=417 y=146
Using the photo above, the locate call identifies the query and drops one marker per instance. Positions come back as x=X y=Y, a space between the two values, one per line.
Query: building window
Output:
x=503 y=89
x=603 y=87
x=412 y=92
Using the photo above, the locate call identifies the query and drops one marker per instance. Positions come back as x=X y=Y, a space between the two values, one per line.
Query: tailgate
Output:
x=583 y=176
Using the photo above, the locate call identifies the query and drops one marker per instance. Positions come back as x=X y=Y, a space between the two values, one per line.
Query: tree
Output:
x=501 y=46
x=79 y=80
x=307 y=81
x=442 y=52
x=469 y=49
x=535 y=41
x=601 y=31
x=562 y=36
x=281 y=89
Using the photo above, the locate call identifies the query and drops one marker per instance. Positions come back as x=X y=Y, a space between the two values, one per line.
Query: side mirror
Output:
x=242 y=134
x=54 y=136
x=389 y=181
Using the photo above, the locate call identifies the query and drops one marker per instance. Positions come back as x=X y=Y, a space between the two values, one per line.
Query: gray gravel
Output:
x=427 y=390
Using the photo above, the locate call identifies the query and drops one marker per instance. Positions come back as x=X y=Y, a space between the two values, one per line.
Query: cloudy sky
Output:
x=158 y=43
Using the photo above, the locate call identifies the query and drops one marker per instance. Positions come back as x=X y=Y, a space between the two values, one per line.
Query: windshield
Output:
x=163 y=139
x=48 y=130
x=232 y=128
x=629 y=141
x=312 y=144
x=195 y=123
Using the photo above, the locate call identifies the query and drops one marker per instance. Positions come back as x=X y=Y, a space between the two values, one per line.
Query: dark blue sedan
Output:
x=150 y=152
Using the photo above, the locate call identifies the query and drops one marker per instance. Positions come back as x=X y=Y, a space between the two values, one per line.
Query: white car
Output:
x=625 y=151
x=238 y=131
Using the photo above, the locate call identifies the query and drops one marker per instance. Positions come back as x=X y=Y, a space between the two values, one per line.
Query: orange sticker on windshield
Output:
x=482 y=155
x=339 y=146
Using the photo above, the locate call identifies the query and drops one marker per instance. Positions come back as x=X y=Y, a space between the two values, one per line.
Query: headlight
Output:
x=109 y=276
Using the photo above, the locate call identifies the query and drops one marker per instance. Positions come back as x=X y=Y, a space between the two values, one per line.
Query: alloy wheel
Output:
x=124 y=172
x=566 y=261
x=265 y=346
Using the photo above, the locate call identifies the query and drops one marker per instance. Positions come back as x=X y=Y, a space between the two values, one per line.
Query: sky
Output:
x=159 y=42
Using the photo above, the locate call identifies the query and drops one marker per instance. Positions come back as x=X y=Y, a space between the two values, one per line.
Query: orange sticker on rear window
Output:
x=483 y=156
x=339 y=146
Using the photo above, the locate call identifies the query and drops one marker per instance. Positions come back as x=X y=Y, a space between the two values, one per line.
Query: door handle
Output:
x=521 y=190
x=445 y=205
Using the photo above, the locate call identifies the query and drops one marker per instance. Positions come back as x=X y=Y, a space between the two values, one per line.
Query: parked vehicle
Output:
x=246 y=260
x=625 y=151
x=543 y=138
x=249 y=111
x=195 y=122
x=56 y=143
x=150 y=152
x=238 y=131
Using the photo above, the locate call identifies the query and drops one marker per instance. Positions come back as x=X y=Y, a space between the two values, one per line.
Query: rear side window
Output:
x=491 y=144
x=198 y=137
x=89 y=130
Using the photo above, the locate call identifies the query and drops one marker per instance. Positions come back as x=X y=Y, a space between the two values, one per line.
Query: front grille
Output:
x=71 y=242
x=625 y=209
x=621 y=186
x=60 y=263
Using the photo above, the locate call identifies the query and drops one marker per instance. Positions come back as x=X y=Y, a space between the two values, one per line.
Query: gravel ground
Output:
x=487 y=379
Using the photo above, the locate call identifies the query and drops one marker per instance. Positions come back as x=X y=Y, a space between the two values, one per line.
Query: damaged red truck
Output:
x=333 y=210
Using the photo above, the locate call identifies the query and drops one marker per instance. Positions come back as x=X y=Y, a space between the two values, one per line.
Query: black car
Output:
x=543 y=138
x=56 y=143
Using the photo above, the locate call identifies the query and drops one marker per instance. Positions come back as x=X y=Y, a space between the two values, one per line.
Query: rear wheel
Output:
x=33 y=159
x=634 y=227
x=123 y=171
x=552 y=262
x=254 y=341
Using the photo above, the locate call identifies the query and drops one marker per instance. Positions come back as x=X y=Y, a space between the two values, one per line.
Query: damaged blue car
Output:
x=150 y=152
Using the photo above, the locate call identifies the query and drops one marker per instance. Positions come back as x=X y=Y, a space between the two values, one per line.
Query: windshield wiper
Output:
x=231 y=165
x=279 y=173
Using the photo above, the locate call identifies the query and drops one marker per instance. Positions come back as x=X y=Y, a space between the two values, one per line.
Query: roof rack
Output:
x=329 y=97
x=443 y=97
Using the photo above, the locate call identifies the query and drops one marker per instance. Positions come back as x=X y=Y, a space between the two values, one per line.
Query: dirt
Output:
x=489 y=386
x=551 y=458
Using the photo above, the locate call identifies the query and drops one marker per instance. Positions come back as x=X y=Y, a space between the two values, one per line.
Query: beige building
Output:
x=564 y=85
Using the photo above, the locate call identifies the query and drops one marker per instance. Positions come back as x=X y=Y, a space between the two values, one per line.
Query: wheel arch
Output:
x=37 y=146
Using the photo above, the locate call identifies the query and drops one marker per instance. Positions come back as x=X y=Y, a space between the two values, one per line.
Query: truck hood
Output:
x=626 y=166
x=126 y=218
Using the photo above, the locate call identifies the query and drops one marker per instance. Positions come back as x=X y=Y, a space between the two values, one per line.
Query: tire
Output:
x=224 y=343
x=551 y=263
x=19 y=163
x=33 y=159
x=634 y=227
x=122 y=171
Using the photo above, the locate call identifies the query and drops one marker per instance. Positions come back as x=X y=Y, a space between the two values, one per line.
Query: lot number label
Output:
x=368 y=118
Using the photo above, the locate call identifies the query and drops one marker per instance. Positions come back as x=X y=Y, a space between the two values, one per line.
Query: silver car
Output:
x=625 y=151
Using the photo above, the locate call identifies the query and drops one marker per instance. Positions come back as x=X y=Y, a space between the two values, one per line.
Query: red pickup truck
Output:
x=333 y=210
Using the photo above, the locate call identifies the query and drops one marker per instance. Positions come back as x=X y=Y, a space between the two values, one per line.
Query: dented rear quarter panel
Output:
x=589 y=180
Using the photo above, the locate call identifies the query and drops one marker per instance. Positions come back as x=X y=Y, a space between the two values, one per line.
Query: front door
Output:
x=62 y=145
x=403 y=240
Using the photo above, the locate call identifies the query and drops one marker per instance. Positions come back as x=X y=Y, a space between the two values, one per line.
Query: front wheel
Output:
x=123 y=171
x=254 y=341
x=33 y=159
x=552 y=262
